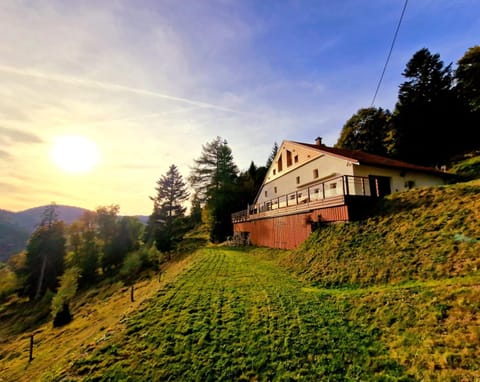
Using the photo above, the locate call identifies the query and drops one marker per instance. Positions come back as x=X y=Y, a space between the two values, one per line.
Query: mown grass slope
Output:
x=412 y=272
x=422 y=234
x=235 y=316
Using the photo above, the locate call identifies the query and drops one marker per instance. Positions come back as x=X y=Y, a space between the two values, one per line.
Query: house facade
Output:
x=311 y=183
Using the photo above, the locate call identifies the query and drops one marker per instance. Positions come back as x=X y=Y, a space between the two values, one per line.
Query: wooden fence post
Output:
x=30 y=356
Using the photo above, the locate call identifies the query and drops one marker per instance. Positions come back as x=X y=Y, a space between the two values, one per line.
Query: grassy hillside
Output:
x=468 y=168
x=422 y=234
x=393 y=298
x=233 y=316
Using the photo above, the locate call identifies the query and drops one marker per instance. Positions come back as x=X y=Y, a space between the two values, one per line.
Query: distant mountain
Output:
x=142 y=218
x=16 y=227
x=31 y=218
x=12 y=237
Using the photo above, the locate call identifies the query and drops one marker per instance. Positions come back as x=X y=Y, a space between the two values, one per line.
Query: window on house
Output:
x=298 y=180
x=296 y=158
x=289 y=158
x=316 y=190
x=274 y=171
x=333 y=186
x=315 y=174
x=266 y=193
x=275 y=189
x=279 y=163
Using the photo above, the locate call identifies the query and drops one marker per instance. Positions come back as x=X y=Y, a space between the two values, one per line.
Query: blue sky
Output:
x=149 y=82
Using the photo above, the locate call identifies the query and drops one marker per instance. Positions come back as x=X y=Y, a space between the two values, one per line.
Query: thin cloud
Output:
x=8 y=187
x=5 y=155
x=110 y=87
x=18 y=135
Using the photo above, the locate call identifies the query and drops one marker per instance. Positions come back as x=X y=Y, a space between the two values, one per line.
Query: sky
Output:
x=149 y=82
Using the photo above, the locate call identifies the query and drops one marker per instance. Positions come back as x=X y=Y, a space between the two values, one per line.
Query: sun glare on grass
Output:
x=75 y=154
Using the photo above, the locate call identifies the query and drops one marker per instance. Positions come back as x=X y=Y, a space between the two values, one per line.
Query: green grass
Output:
x=235 y=316
x=395 y=297
x=422 y=234
x=468 y=168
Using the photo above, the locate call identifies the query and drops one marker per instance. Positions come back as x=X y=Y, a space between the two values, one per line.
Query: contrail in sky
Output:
x=110 y=87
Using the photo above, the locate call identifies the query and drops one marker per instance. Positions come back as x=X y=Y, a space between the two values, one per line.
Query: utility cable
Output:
x=390 y=52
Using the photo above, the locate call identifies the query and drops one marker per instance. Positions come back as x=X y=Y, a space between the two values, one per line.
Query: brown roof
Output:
x=371 y=159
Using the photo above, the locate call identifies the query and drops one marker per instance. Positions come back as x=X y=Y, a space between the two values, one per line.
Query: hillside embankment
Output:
x=422 y=234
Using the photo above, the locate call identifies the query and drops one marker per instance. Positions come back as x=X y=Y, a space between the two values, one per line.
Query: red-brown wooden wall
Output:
x=288 y=231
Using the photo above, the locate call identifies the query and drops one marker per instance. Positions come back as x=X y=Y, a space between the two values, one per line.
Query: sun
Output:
x=75 y=154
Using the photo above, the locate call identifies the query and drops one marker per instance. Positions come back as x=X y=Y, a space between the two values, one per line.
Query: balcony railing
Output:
x=306 y=197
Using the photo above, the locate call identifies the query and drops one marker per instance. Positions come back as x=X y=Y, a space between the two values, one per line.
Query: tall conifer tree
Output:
x=214 y=180
x=167 y=223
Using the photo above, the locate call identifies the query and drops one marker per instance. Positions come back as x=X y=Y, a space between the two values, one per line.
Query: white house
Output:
x=320 y=182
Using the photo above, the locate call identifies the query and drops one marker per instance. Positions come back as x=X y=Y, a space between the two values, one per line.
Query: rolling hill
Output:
x=16 y=227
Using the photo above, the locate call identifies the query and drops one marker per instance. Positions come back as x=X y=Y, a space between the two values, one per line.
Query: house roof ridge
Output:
x=362 y=157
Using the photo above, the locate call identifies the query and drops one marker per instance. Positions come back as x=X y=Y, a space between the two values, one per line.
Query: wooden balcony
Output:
x=335 y=192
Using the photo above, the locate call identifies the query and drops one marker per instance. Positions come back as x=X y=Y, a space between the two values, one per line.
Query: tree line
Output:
x=436 y=116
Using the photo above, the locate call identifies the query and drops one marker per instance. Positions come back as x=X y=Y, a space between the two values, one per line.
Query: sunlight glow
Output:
x=75 y=154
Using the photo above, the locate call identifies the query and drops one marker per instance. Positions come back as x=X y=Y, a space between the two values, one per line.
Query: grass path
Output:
x=233 y=316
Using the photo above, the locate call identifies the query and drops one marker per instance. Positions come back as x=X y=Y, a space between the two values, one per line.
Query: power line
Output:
x=390 y=52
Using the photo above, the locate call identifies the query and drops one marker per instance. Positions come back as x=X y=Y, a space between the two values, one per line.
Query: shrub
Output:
x=66 y=292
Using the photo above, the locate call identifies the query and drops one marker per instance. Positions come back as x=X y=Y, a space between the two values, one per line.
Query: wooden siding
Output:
x=288 y=231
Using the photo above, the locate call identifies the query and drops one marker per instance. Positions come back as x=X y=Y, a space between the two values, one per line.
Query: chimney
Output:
x=318 y=141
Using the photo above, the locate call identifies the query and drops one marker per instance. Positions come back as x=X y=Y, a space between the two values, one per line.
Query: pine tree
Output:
x=213 y=179
x=167 y=223
x=425 y=111
x=45 y=255
x=467 y=77
x=272 y=155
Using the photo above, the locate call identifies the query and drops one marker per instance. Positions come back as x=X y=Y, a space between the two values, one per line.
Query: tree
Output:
x=107 y=218
x=367 y=130
x=45 y=254
x=213 y=179
x=125 y=240
x=89 y=252
x=167 y=223
x=426 y=109
x=272 y=155
x=248 y=184
x=467 y=76
x=195 y=217
x=61 y=301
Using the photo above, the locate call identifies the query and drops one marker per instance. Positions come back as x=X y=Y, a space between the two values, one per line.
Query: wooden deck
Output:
x=286 y=221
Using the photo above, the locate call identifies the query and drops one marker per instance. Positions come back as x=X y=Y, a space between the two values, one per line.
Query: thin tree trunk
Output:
x=42 y=275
